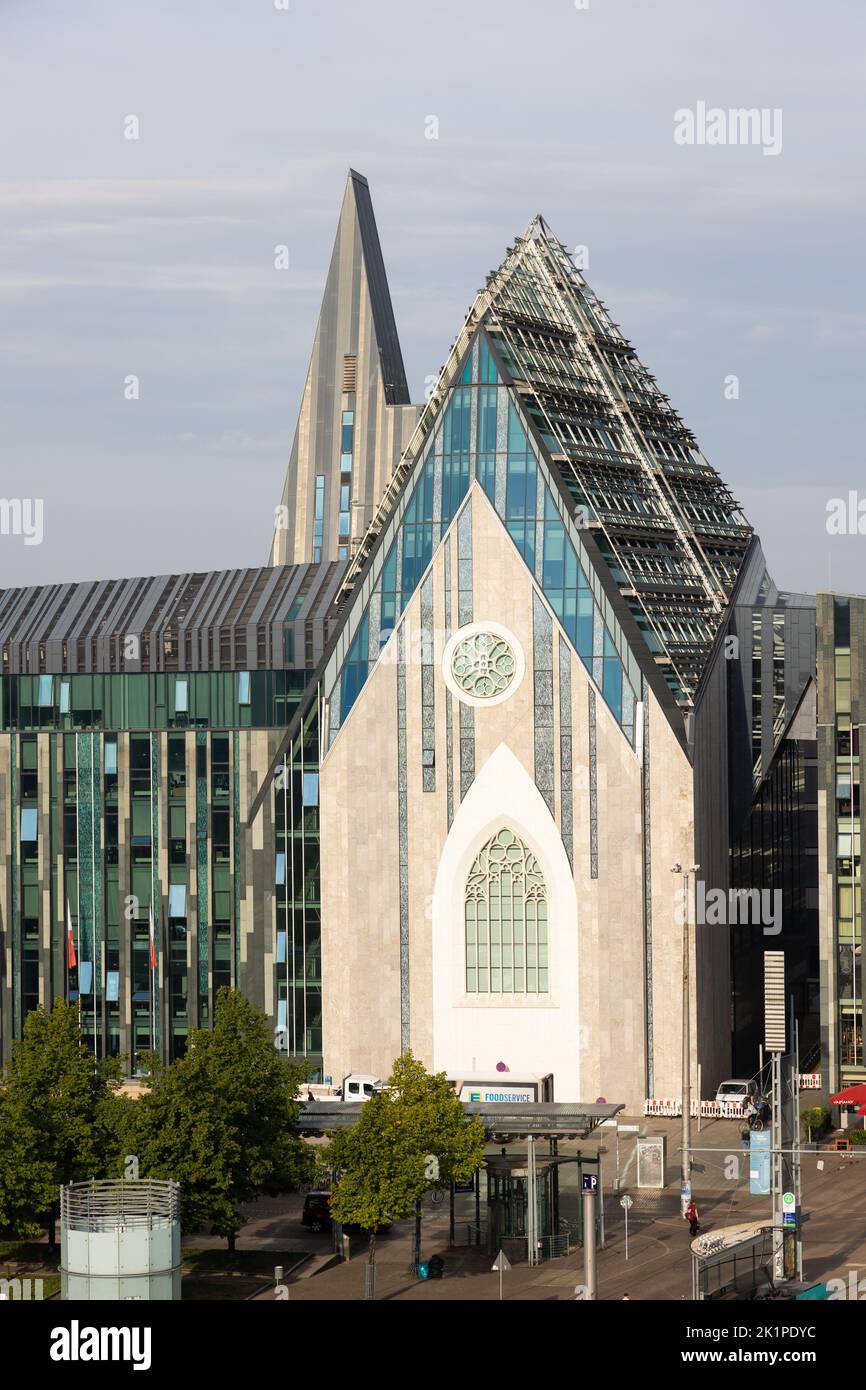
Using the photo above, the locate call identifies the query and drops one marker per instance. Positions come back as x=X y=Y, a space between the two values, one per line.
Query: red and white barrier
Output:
x=716 y=1109
x=710 y=1109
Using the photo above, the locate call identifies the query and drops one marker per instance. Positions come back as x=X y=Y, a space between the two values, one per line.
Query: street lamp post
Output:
x=686 y=1165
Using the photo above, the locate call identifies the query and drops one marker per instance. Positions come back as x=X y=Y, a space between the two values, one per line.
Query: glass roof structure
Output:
x=482 y=434
x=626 y=466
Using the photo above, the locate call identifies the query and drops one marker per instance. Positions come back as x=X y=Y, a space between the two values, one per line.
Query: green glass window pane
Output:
x=505 y=898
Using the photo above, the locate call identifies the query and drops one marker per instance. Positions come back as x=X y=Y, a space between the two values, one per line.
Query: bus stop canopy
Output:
x=543 y=1120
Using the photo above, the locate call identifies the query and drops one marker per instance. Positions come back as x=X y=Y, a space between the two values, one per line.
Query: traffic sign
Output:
x=501 y=1264
x=625 y=1202
x=589 y=1182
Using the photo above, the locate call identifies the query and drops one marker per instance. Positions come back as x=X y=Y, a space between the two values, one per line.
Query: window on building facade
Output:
x=110 y=756
x=505 y=920
x=177 y=900
x=319 y=517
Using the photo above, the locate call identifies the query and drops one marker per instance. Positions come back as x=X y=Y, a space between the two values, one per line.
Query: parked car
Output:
x=733 y=1092
x=316 y=1215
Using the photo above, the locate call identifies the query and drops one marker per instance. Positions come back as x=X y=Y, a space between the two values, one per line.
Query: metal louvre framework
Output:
x=222 y=620
x=667 y=526
x=110 y=1204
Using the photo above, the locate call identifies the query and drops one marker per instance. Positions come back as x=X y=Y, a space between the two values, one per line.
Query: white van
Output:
x=357 y=1087
x=733 y=1092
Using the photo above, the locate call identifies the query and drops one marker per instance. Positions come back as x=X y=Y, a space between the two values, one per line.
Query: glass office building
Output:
x=137 y=718
x=841 y=719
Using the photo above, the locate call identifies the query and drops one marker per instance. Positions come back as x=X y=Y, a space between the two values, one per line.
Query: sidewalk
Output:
x=659 y=1263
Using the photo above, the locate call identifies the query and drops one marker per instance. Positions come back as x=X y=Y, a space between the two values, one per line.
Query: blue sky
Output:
x=154 y=257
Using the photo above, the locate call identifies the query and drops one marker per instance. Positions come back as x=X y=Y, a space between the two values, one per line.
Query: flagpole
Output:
x=93 y=878
x=78 y=882
x=150 y=956
x=150 y=946
x=71 y=961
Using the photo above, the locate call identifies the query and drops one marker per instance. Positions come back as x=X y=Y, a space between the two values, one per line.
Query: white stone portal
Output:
x=528 y=1032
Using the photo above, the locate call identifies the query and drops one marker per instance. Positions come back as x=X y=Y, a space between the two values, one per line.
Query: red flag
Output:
x=152 y=942
x=70 y=944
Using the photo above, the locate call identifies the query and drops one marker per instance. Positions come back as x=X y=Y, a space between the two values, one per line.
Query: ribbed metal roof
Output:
x=220 y=620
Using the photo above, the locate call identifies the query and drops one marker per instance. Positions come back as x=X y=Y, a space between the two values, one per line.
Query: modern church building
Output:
x=434 y=777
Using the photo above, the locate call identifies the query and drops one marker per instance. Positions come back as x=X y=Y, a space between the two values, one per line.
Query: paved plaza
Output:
x=658 y=1265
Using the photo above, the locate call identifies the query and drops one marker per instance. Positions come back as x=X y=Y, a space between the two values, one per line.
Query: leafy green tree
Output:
x=222 y=1120
x=383 y=1160
x=61 y=1119
x=814 y=1120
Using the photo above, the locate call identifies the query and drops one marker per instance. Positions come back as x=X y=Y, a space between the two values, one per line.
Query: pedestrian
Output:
x=692 y=1217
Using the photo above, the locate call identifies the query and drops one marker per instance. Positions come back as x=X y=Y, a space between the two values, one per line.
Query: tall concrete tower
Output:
x=355 y=417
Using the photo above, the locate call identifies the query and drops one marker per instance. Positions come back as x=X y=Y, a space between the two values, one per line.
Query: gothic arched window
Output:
x=506 y=920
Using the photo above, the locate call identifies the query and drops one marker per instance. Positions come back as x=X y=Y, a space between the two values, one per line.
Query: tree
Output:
x=61 y=1119
x=814 y=1120
x=222 y=1120
x=383 y=1160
